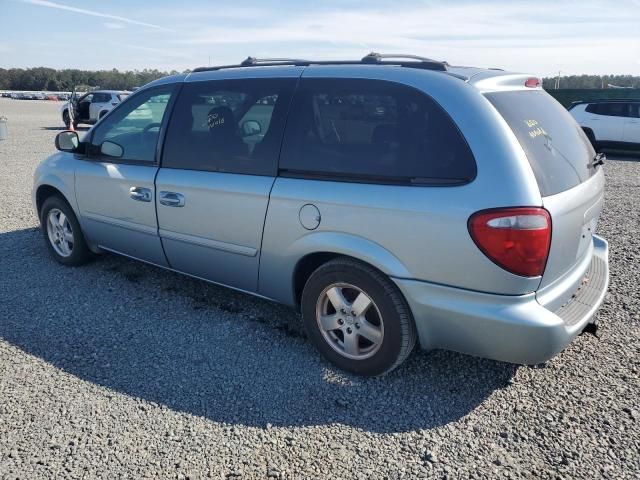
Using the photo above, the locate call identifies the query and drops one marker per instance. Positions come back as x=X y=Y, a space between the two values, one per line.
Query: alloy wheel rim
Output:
x=60 y=232
x=350 y=321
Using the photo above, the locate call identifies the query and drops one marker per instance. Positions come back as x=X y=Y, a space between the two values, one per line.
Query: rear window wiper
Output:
x=598 y=160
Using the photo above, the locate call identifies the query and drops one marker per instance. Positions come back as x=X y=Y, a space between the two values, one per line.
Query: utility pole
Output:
x=558 y=80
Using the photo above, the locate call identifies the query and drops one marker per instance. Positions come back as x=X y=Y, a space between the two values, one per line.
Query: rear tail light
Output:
x=516 y=239
x=532 y=82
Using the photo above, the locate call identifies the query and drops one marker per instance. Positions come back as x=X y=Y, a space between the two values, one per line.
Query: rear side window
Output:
x=373 y=131
x=101 y=97
x=232 y=126
x=592 y=108
x=614 y=109
x=559 y=152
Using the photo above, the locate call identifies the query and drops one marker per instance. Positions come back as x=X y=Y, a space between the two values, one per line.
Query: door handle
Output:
x=140 y=193
x=172 y=199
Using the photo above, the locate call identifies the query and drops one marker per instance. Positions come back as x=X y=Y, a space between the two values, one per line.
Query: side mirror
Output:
x=111 y=149
x=251 y=127
x=67 y=141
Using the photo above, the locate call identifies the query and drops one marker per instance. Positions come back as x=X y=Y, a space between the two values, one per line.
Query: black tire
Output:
x=102 y=114
x=399 y=336
x=592 y=138
x=66 y=119
x=80 y=253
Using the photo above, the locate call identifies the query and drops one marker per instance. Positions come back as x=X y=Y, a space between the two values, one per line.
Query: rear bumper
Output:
x=516 y=329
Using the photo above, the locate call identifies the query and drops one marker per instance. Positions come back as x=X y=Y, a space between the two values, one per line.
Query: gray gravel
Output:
x=121 y=370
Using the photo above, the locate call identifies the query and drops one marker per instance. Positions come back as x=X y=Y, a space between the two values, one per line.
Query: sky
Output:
x=541 y=37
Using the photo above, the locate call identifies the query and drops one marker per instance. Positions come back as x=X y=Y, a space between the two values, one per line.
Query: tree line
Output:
x=49 y=79
x=591 y=81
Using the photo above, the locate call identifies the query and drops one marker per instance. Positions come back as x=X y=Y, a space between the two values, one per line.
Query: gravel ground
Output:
x=121 y=370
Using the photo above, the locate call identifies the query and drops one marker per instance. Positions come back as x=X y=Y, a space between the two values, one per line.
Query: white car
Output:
x=609 y=123
x=92 y=106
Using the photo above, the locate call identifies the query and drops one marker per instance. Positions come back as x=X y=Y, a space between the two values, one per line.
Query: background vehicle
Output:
x=609 y=123
x=90 y=107
x=389 y=199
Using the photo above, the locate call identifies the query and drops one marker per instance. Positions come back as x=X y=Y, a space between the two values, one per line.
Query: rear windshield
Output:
x=559 y=152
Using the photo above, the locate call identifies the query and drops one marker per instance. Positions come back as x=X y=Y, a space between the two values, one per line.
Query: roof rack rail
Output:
x=251 y=61
x=411 y=61
x=374 y=57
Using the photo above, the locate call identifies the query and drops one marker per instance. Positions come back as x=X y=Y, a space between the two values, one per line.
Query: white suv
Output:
x=91 y=107
x=609 y=123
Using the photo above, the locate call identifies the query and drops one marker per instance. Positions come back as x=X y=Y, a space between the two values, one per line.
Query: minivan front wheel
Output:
x=357 y=318
x=62 y=233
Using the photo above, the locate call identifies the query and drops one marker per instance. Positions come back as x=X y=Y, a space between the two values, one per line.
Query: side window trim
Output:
x=161 y=134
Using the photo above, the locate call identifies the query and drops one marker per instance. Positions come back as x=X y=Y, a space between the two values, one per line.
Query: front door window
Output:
x=130 y=133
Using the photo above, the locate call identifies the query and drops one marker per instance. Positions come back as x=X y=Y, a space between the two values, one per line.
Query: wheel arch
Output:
x=317 y=249
x=53 y=185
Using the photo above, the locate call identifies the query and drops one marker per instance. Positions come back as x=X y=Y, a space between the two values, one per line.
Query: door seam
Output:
x=275 y=178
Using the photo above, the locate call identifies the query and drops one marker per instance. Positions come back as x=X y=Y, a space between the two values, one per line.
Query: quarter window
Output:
x=130 y=133
x=373 y=131
x=613 y=109
x=101 y=98
x=232 y=126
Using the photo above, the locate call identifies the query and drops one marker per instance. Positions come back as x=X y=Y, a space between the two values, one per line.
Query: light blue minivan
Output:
x=390 y=199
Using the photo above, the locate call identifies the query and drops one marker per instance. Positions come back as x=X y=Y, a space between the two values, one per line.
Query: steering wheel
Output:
x=146 y=136
x=149 y=127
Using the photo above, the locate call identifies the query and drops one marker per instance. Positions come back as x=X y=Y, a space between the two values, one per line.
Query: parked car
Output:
x=91 y=107
x=388 y=199
x=609 y=123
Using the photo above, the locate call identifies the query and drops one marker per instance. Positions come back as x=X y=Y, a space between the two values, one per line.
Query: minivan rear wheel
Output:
x=357 y=318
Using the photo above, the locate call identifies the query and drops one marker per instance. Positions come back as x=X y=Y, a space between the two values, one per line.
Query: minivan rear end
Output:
x=570 y=180
x=571 y=267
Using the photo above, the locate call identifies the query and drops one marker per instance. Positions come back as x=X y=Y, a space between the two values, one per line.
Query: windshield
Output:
x=559 y=152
